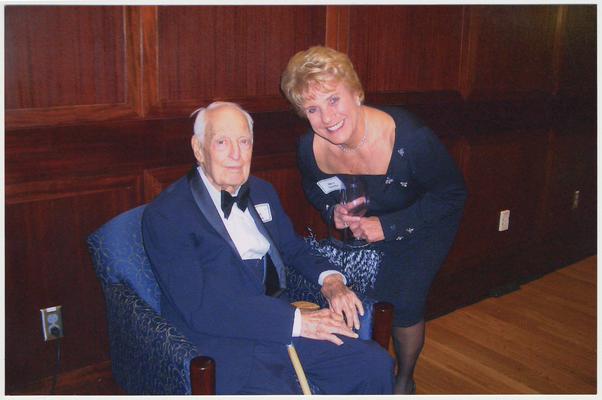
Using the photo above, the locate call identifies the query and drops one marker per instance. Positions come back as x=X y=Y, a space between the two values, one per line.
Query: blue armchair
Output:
x=148 y=355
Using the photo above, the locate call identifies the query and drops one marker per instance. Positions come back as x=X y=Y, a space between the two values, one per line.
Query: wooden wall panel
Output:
x=418 y=47
x=510 y=50
x=47 y=264
x=46 y=67
x=68 y=64
x=578 y=60
x=124 y=80
x=229 y=52
x=502 y=172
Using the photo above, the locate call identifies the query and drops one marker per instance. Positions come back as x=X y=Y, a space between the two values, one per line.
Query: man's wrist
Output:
x=329 y=272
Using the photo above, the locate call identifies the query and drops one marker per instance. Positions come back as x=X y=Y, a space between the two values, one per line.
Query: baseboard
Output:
x=93 y=379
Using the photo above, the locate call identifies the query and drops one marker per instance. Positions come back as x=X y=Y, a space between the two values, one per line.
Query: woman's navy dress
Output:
x=419 y=202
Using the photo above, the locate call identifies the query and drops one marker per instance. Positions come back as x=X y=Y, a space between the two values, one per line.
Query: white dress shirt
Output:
x=249 y=242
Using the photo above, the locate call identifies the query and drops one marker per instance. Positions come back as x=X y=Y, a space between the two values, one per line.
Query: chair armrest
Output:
x=148 y=354
x=202 y=375
x=383 y=323
x=375 y=324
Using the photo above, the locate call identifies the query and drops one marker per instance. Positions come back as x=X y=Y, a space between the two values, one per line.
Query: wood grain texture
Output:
x=98 y=102
x=556 y=330
x=230 y=52
x=45 y=66
x=502 y=172
x=68 y=65
x=577 y=68
x=418 y=47
x=538 y=340
x=510 y=50
x=47 y=264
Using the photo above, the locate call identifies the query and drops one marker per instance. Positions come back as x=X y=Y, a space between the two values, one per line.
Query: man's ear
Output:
x=197 y=149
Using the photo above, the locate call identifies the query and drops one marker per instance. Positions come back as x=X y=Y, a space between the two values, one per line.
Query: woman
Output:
x=416 y=193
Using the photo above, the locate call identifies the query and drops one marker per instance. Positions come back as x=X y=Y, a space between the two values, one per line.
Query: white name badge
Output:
x=264 y=212
x=331 y=184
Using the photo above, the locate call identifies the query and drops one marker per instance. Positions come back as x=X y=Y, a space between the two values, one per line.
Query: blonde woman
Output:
x=415 y=190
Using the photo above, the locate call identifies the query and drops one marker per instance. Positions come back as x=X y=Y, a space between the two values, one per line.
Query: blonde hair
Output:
x=321 y=66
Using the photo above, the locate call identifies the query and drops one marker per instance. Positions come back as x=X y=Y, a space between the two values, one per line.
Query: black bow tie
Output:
x=241 y=200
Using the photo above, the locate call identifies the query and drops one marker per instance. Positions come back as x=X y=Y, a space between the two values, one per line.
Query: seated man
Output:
x=219 y=262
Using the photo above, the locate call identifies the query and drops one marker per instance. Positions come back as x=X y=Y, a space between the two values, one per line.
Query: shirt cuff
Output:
x=297 y=323
x=324 y=274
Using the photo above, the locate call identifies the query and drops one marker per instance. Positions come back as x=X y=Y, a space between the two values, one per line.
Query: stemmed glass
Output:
x=354 y=197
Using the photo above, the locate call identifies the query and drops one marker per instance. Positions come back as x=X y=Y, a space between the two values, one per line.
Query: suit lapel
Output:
x=274 y=253
x=205 y=204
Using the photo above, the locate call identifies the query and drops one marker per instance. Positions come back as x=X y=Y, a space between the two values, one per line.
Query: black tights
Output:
x=408 y=345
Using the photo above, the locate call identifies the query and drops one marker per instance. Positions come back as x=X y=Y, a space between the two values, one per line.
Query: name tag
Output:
x=264 y=212
x=330 y=184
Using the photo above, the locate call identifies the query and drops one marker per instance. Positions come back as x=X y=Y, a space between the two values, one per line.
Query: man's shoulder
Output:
x=260 y=184
x=171 y=197
x=262 y=190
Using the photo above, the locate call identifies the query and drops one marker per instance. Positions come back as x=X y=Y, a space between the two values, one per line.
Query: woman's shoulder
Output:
x=306 y=143
x=403 y=118
x=305 y=154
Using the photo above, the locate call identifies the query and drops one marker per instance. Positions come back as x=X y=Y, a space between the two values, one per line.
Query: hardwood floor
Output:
x=540 y=339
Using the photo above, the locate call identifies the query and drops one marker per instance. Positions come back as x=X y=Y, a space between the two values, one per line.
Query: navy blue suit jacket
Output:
x=207 y=292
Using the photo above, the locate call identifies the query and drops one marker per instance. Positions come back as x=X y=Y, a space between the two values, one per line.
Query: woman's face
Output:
x=333 y=111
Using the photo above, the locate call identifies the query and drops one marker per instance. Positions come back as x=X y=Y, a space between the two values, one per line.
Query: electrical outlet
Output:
x=52 y=323
x=575 y=199
x=504 y=220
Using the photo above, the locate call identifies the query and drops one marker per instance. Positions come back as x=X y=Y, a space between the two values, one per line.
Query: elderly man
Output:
x=217 y=240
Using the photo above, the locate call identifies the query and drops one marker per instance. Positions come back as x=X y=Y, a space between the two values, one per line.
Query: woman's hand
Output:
x=368 y=229
x=342 y=218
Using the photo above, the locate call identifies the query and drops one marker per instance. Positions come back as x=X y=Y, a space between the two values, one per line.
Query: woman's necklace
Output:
x=344 y=148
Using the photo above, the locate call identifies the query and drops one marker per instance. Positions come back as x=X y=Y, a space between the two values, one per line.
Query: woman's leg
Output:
x=408 y=345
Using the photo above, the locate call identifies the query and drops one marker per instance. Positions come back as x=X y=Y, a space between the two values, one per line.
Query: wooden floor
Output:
x=540 y=339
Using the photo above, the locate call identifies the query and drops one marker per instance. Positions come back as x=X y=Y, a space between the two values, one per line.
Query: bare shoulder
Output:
x=382 y=126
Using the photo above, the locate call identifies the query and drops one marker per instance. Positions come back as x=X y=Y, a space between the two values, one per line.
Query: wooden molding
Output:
x=68 y=115
x=150 y=62
x=81 y=113
x=337 y=28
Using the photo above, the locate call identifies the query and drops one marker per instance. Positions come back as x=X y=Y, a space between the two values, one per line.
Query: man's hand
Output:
x=342 y=300
x=323 y=324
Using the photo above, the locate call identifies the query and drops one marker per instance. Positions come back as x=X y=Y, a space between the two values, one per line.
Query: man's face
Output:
x=225 y=155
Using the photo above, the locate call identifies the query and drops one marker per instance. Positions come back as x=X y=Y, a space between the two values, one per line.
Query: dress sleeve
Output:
x=441 y=185
x=323 y=202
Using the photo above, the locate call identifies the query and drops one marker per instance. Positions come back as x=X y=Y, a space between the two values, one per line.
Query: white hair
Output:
x=200 y=123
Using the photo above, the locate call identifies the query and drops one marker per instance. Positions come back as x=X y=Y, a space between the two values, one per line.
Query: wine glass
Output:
x=354 y=197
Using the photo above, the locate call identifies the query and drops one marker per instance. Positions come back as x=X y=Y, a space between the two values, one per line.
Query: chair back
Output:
x=118 y=256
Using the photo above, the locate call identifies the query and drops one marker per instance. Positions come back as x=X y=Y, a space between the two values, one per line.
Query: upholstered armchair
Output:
x=148 y=355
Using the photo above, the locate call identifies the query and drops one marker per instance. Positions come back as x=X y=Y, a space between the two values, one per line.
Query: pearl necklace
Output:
x=344 y=148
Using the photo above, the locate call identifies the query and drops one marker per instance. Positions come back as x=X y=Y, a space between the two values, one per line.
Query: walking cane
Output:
x=292 y=353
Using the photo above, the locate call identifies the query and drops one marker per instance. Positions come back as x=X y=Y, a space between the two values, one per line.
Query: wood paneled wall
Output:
x=97 y=102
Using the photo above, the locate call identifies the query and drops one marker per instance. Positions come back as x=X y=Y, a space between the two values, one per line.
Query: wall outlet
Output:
x=575 y=199
x=504 y=220
x=52 y=323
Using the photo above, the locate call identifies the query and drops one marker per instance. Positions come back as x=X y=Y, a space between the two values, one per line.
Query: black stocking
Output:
x=408 y=345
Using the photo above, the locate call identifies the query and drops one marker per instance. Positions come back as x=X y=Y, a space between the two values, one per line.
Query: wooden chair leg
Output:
x=383 y=323
x=202 y=375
